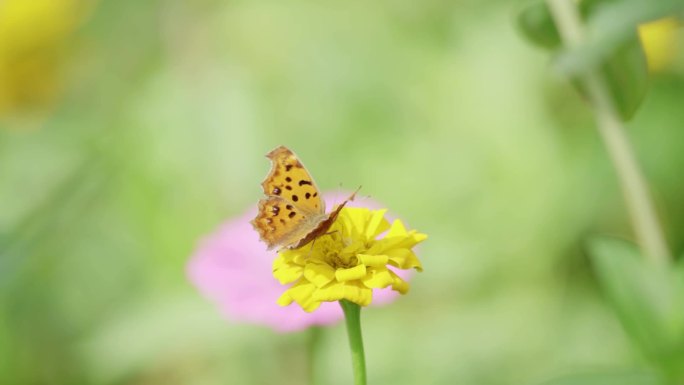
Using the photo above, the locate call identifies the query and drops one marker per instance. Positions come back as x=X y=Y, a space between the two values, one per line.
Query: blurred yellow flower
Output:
x=659 y=39
x=32 y=33
x=349 y=262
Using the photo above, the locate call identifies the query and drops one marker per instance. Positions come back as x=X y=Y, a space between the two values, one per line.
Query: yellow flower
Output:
x=349 y=262
x=33 y=34
x=659 y=39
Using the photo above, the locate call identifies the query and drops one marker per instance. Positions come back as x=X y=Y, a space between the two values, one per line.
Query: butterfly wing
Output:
x=281 y=223
x=290 y=180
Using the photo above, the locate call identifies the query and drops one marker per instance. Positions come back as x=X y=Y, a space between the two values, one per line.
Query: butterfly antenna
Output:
x=367 y=196
x=351 y=197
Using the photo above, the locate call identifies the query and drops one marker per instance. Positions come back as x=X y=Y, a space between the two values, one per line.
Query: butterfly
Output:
x=293 y=212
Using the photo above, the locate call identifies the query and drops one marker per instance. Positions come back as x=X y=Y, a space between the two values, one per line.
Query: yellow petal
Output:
x=302 y=294
x=351 y=291
x=353 y=248
x=376 y=225
x=417 y=237
x=399 y=284
x=404 y=259
x=378 y=247
x=408 y=240
x=279 y=262
x=395 y=238
x=300 y=259
x=381 y=245
x=287 y=273
x=288 y=255
x=397 y=230
x=310 y=306
x=284 y=299
x=378 y=278
x=373 y=260
x=356 y=219
x=319 y=274
x=354 y=273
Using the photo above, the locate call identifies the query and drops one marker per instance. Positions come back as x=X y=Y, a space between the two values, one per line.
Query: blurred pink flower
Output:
x=232 y=268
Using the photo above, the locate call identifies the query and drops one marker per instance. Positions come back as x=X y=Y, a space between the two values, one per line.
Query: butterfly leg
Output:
x=311 y=249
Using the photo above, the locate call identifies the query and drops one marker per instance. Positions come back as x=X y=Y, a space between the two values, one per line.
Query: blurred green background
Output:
x=130 y=129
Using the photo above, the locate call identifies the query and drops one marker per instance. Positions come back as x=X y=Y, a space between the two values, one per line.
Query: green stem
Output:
x=641 y=209
x=352 y=316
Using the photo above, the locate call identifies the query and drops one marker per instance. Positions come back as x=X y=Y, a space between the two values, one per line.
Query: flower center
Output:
x=330 y=251
x=340 y=261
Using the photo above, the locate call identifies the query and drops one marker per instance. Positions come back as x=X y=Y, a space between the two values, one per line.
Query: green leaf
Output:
x=613 y=48
x=536 y=23
x=648 y=299
x=616 y=377
x=625 y=73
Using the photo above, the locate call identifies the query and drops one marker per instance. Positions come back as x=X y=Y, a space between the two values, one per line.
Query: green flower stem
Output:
x=352 y=315
x=641 y=209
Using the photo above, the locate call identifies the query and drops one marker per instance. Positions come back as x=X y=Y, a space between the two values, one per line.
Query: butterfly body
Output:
x=293 y=212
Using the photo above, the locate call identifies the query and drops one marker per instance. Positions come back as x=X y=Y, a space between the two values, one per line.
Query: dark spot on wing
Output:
x=276 y=191
x=292 y=214
x=303 y=182
x=307 y=195
x=288 y=187
x=315 y=194
x=295 y=198
x=282 y=221
x=288 y=179
x=288 y=167
x=289 y=207
x=275 y=210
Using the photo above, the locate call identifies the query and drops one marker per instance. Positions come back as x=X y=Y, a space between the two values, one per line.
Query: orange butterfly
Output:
x=293 y=212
